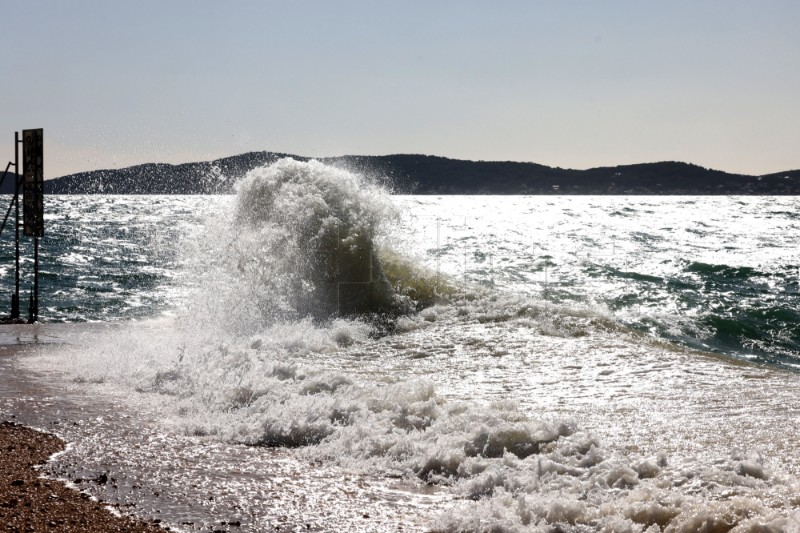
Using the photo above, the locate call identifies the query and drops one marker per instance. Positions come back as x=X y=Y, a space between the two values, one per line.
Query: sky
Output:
x=568 y=83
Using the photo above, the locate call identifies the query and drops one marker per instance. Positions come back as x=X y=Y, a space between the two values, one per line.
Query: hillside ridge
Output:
x=428 y=174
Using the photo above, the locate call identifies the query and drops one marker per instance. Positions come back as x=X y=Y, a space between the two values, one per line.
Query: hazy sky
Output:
x=565 y=83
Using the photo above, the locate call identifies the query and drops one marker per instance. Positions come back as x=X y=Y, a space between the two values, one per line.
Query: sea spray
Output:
x=307 y=235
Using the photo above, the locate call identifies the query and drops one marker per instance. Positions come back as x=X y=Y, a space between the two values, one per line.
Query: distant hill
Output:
x=208 y=177
x=7 y=186
x=421 y=174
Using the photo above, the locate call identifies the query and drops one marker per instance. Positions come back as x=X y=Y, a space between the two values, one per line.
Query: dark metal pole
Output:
x=35 y=279
x=15 y=300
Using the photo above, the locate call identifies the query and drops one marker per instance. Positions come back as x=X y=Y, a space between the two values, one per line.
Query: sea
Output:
x=532 y=363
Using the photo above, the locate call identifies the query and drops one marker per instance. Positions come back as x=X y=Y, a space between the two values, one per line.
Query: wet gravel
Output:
x=31 y=503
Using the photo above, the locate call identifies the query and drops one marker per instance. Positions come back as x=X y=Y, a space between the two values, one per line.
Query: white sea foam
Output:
x=517 y=470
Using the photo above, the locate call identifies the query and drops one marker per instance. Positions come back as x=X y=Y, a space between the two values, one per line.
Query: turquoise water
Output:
x=718 y=274
x=107 y=258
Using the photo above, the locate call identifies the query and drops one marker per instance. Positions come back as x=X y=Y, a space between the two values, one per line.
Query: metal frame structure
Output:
x=31 y=178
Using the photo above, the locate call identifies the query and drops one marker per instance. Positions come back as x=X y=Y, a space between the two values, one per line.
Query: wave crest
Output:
x=303 y=242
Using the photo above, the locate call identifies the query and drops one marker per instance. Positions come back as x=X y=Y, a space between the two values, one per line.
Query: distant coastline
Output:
x=421 y=174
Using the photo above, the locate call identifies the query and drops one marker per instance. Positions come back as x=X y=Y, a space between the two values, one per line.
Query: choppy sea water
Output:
x=614 y=363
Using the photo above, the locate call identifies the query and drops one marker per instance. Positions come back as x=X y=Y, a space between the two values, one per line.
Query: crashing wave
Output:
x=306 y=243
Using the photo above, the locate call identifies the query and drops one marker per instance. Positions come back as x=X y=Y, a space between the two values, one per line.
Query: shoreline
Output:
x=30 y=502
x=188 y=483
